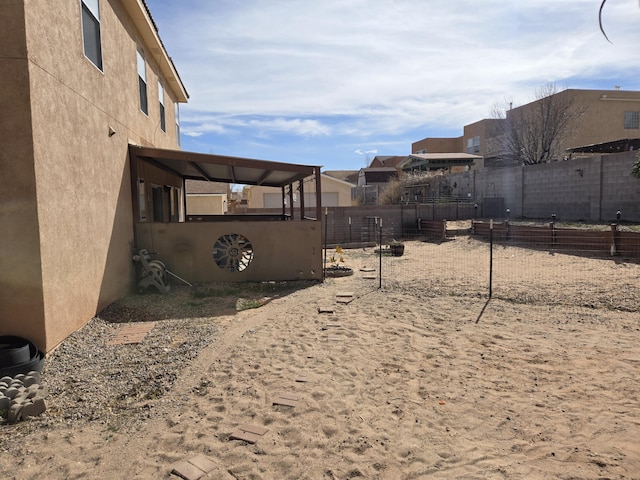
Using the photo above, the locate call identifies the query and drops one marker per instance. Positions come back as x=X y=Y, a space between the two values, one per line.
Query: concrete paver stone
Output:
x=248 y=433
x=132 y=333
x=325 y=309
x=194 y=468
x=287 y=400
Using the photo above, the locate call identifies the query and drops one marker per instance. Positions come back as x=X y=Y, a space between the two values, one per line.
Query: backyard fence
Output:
x=542 y=265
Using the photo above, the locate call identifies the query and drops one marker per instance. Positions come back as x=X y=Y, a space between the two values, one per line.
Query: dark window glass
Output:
x=143 y=95
x=163 y=123
x=91 y=37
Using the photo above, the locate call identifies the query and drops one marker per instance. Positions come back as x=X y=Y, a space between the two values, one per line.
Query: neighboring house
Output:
x=387 y=161
x=350 y=176
x=608 y=116
x=207 y=198
x=377 y=176
x=371 y=183
x=92 y=172
x=335 y=193
x=447 y=162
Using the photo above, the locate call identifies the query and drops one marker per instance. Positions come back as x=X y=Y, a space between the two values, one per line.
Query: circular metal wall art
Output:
x=233 y=252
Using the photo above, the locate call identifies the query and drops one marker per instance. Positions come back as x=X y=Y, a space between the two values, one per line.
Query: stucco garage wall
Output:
x=206 y=204
x=282 y=250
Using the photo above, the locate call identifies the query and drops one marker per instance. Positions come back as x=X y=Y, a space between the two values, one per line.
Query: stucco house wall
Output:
x=601 y=120
x=65 y=134
x=207 y=204
x=335 y=193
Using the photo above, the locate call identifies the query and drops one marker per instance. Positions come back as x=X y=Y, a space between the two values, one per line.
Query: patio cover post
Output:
x=284 y=204
x=301 y=190
x=318 y=193
x=291 y=210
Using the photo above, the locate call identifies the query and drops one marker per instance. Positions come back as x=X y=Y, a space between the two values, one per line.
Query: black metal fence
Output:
x=535 y=265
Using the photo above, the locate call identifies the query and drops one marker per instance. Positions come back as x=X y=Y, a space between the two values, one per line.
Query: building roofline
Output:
x=145 y=25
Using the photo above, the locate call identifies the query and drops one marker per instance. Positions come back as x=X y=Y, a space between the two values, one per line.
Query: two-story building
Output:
x=92 y=171
x=604 y=116
x=81 y=80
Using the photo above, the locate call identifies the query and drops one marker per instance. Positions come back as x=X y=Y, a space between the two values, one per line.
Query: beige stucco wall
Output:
x=21 y=297
x=602 y=118
x=75 y=176
x=282 y=250
x=206 y=204
x=438 y=145
x=328 y=185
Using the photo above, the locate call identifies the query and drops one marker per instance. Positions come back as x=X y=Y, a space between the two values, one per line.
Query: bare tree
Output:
x=535 y=133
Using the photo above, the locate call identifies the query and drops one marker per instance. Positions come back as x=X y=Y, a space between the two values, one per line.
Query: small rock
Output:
x=14 y=413
x=30 y=380
x=11 y=392
x=34 y=409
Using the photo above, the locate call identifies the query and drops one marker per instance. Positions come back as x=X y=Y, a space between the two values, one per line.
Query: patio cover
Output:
x=222 y=168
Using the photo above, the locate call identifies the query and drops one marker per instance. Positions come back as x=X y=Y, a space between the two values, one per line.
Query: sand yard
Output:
x=420 y=379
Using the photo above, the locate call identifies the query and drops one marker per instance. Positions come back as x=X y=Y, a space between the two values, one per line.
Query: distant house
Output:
x=607 y=116
x=385 y=161
x=335 y=193
x=207 y=198
x=371 y=183
x=350 y=176
x=447 y=162
x=376 y=175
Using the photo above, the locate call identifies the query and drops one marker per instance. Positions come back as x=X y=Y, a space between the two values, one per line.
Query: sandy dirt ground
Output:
x=423 y=378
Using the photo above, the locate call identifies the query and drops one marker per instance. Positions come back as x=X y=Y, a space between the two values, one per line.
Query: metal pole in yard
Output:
x=380 y=256
x=326 y=214
x=490 y=257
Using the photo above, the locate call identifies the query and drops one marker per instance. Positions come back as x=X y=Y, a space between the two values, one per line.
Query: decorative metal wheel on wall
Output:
x=233 y=252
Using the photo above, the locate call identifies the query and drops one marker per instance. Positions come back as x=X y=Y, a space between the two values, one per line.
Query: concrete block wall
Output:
x=587 y=189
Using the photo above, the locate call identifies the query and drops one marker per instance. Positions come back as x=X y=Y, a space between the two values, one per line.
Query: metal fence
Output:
x=541 y=265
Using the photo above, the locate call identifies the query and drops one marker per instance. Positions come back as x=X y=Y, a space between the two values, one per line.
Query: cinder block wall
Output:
x=592 y=189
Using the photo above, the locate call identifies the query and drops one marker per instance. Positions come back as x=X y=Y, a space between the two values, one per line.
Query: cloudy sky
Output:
x=336 y=82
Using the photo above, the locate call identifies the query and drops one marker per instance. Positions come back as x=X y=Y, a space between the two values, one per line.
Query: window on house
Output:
x=177 y=123
x=91 y=31
x=631 y=120
x=142 y=83
x=175 y=204
x=163 y=123
x=159 y=199
x=142 y=201
x=476 y=144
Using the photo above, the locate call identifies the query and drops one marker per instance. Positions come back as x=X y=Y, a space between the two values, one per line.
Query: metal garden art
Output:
x=335 y=269
x=233 y=252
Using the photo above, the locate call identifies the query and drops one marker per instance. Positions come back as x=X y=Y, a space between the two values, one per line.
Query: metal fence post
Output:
x=490 y=258
x=326 y=214
x=380 y=256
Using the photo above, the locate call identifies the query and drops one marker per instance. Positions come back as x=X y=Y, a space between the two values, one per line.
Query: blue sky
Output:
x=336 y=82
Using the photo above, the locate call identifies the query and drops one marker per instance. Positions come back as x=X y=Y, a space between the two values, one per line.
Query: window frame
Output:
x=631 y=120
x=143 y=95
x=163 y=119
x=91 y=18
x=177 y=115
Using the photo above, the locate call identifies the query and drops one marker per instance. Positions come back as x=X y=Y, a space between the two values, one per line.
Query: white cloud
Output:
x=281 y=66
x=366 y=152
x=198 y=124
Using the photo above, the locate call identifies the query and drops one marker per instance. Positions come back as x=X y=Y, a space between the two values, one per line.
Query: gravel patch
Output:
x=123 y=386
